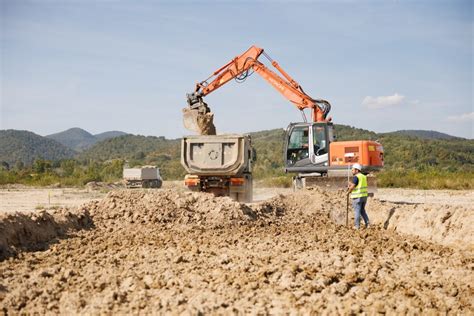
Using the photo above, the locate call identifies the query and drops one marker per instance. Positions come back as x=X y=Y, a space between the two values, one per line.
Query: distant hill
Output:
x=139 y=150
x=74 y=138
x=107 y=135
x=25 y=146
x=79 y=139
x=128 y=147
x=425 y=134
x=402 y=151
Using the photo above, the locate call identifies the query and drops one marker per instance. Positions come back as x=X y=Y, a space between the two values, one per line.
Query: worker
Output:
x=358 y=193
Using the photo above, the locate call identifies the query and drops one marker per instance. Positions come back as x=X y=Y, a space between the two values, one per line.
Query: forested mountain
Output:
x=79 y=139
x=407 y=152
x=129 y=147
x=345 y=132
x=23 y=147
x=402 y=153
x=74 y=138
x=424 y=134
x=139 y=150
x=107 y=135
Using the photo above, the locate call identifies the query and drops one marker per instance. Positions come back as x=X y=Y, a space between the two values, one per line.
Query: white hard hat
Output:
x=357 y=166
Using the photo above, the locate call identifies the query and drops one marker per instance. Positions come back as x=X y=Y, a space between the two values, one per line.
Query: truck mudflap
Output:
x=239 y=188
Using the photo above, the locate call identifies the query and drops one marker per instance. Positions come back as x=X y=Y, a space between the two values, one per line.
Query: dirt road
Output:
x=171 y=251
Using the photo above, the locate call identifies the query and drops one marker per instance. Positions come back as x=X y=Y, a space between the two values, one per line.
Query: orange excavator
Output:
x=310 y=147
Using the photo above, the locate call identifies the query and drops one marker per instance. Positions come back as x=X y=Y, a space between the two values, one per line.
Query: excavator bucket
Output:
x=190 y=119
x=201 y=123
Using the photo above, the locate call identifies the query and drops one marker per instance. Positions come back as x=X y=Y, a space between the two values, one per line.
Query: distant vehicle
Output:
x=219 y=164
x=144 y=177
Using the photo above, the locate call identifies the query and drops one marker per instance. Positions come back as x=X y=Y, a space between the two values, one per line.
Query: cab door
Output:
x=320 y=144
x=307 y=147
x=297 y=151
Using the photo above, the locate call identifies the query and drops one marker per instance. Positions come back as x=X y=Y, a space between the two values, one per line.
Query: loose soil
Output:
x=161 y=251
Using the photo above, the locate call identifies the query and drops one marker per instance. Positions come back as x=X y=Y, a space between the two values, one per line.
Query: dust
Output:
x=165 y=251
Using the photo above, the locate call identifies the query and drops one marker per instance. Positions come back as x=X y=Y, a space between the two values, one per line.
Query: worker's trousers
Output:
x=359 y=210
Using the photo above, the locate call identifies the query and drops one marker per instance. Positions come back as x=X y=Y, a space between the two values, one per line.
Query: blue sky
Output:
x=127 y=65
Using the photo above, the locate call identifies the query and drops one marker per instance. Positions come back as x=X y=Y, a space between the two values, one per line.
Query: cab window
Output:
x=298 y=144
x=319 y=140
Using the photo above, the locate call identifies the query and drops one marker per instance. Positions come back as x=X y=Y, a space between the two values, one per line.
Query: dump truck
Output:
x=219 y=164
x=143 y=177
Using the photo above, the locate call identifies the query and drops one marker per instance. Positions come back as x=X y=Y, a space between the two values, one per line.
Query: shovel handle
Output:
x=347 y=210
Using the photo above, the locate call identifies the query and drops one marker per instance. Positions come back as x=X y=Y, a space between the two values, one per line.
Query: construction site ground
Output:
x=110 y=250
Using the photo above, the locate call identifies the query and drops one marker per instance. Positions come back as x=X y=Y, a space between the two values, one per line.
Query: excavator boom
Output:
x=310 y=147
x=198 y=117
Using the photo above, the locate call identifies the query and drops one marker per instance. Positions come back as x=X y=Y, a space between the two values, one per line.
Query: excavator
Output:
x=310 y=149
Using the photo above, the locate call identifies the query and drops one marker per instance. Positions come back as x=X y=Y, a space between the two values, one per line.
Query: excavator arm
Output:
x=198 y=116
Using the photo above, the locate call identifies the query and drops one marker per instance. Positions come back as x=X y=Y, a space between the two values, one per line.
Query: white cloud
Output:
x=383 y=101
x=466 y=117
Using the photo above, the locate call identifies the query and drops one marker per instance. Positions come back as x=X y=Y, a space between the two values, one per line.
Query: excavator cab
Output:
x=307 y=147
x=311 y=152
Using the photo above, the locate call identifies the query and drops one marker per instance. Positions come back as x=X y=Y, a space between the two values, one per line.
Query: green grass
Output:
x=429 y=179
x=421 y=178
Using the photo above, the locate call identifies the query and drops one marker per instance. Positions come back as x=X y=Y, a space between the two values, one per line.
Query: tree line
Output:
x=410 y=161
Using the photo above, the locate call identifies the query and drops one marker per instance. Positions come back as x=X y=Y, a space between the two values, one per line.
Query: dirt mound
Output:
x=189 y=209
x=94 y=185
x=168 y=252
x=449 y=225
x=443 y=224
x=167 y=207
x=34 y=231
